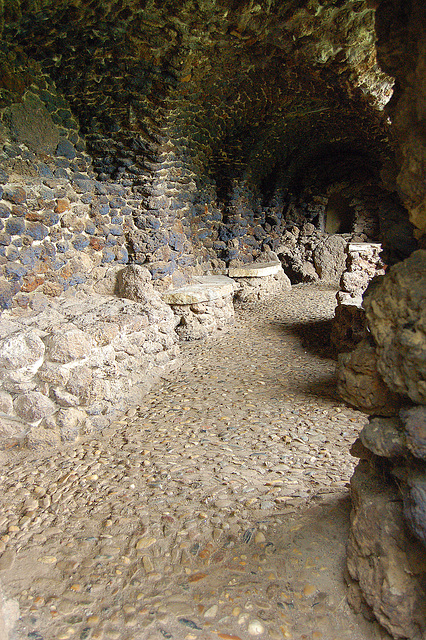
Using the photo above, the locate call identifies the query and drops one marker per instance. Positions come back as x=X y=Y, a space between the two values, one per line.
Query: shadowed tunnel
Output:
x=157 y=160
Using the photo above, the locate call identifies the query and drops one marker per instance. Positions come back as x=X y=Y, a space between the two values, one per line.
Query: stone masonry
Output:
x=80 y=363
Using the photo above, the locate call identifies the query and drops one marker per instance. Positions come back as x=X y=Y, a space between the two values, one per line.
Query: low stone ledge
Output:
x=256 y=270
x=81 y=364
x=203 y=289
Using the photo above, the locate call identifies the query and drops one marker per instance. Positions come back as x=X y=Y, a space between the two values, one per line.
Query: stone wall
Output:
x=178 y=161
x=189 y=137
x=78 y=363
x=385 y=376
x=60 y=228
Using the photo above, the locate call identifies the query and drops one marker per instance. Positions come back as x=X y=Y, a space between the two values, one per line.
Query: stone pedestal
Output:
x=349 y=324
x=259 y=281
x=202 y=307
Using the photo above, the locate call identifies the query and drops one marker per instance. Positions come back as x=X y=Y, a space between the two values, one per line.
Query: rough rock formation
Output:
x=330 y=259
x=391 y=491
x=184 y=138
x=388 y=493
x=396 y=314
x=363 y=263
x=360 y=384
x=379 y=374
x=387 y=562
x=401 y=46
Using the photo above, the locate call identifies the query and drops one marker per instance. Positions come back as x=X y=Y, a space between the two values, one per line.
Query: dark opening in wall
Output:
x=339 y=215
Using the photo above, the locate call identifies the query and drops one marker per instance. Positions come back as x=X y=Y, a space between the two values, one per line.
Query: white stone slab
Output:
x=361 y=246
x=203 y=289
x=255 y=270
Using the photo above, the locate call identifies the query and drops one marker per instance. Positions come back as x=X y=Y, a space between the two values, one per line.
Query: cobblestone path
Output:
x=218 y=510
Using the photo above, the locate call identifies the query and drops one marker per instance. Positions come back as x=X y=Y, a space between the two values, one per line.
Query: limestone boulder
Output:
x=64 y=398
x=330 y=259
x=396 y=314
x=80 y=382
x=360 y=384
x=134 y=282
x=53 y=373
x=18 y=380
x=33 y=406
x=297 y=269
x=20 y=350
x=68 y=345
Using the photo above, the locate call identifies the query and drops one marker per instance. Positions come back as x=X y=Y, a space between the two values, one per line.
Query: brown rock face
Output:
x=396 y=314
x=360 y=384
x=402 y=53
x=388 y=563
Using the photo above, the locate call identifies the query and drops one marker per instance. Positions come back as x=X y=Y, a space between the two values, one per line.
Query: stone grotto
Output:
x=163 y=164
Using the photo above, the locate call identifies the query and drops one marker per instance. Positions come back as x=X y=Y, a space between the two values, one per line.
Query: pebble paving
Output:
x=218 y=509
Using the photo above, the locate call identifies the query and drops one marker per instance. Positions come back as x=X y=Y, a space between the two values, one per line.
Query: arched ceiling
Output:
x=242 y=89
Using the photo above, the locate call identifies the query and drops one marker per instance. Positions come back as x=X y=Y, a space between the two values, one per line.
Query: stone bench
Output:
x=259 y=280
x=202 y=307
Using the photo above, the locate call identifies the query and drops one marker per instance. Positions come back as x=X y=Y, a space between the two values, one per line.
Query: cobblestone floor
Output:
x=218 y=510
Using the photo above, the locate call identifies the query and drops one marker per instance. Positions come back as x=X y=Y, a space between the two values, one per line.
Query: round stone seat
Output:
x=203 y=289
x=259 y=280
x=202 y=307
x=256 y=270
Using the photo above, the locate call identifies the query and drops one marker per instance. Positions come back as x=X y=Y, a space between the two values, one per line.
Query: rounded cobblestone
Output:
x=218 y=508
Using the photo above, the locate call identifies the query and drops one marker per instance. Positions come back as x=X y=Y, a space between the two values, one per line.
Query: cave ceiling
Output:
x=244 y=89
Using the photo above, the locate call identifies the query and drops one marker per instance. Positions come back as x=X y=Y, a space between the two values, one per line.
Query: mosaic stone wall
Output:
x=59 y=226
x=172 y=136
